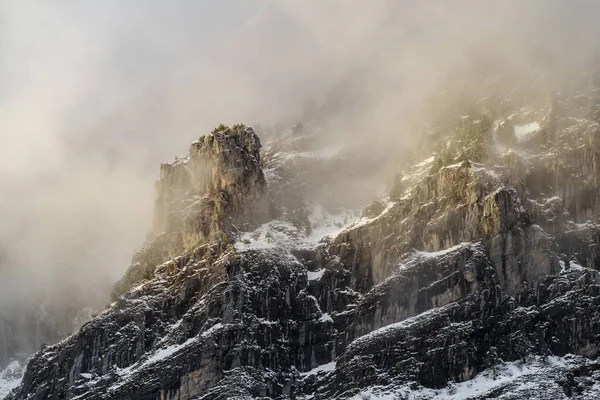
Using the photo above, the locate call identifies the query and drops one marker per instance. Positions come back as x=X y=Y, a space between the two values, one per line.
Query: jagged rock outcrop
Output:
x=480 y=261
x=207 y=197
x=223 y=166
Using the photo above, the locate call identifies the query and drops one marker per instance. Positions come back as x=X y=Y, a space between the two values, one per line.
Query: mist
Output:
x=94 y=95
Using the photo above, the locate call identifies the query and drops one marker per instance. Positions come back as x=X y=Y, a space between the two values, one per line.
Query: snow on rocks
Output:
x=169 y=351
x=315 y=275
x=284 y=235
x=385 y=331
x=10 y=377
x=440 y=253
x=325 y=318
x=365 y=220
x=535 y=378
x=522 y=131
x=325 y=368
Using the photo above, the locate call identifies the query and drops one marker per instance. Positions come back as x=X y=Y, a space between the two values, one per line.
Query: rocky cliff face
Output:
x=204 y=199
x=477 y=277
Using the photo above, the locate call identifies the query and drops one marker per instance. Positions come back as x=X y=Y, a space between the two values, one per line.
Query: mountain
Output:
x=473 y=276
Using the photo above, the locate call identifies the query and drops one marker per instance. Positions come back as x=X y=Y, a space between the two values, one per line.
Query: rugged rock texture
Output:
x=217 y=190
x=480 y=269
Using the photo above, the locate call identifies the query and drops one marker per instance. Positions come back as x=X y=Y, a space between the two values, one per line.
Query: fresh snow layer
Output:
x=282 y=234
x=325 y=318
x=365 y=221
x=387 y=329
x=433 y=254
x=316 y=275
x=535 y=378
x=522 y=131
x=321 y=368
x=492 y=379
x=161 y=354
x=10 y=378
x=164 y=353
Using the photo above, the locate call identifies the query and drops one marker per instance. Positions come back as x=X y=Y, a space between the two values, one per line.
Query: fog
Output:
x=94 y=95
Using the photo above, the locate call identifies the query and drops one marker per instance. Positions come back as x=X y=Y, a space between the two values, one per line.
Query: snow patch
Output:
x=161 y=354
x=385 y=330
x=10 y=378
x=325 y=318
x=496 y=377
x=533 y=375
x=433 y=254
x=263 y=321
x=451 y=166
x=316 y=275
x=365 y=221
x=522 y=131
x=326 y=368
x=574 y=265
x=212 y=329
x=282 y=234
x=166 y=352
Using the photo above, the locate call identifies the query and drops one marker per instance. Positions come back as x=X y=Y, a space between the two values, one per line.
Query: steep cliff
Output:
x=476 y=277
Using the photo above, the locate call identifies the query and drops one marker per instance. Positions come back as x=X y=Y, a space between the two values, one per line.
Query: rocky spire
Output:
x=205 y=199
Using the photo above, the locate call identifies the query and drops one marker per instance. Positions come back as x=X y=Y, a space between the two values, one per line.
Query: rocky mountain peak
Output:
x=223 y=166
x=205 y=199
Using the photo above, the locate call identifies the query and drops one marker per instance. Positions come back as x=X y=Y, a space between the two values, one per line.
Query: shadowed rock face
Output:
x=468 y=267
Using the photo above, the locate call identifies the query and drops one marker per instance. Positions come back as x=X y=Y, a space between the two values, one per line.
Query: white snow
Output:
x=491 y=379
x=212 y=329
x=315 y=301
x=315 y=275
x=432 y=254
x=263 y=321
x=366 y=221
x=325 y=224
x=562 y=265
x=284 y=235
x=325 y=318
x=166 y=352
x=383 y=331
x=161 y=354
x=271 y=235
x=575 y=265
x=534 y=373
x=457 y=165
x=379 y=393
x=10 y=378
x=321 y=368
x=522 y=131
